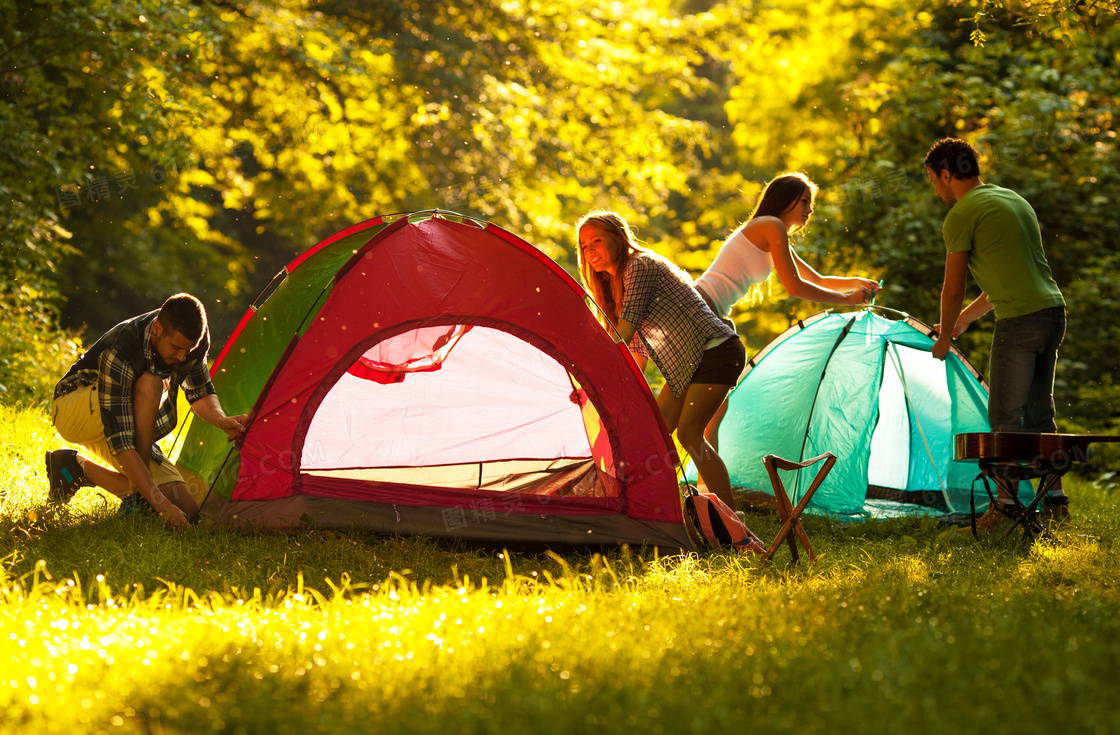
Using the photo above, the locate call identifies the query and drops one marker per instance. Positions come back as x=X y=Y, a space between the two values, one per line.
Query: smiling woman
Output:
x=654 y=308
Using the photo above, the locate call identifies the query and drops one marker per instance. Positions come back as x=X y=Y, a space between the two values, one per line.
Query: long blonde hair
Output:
x=605 y=289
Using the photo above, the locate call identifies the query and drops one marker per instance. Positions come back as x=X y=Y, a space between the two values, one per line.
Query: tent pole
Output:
x=813 y=406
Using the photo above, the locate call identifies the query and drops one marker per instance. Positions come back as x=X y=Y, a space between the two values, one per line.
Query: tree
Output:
x=75 y=84
x=307 y=116
x=1060 y=18
x=162 y=145
x=783 y=106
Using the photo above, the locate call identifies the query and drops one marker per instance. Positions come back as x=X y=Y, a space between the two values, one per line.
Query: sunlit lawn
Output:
x=120 y=626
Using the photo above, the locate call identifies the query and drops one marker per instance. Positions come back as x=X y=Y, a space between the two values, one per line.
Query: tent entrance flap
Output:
x=889 y=466
x=913 y=401
x=420 y=350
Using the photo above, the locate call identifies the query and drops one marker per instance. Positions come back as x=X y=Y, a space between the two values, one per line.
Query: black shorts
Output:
x=722 y=364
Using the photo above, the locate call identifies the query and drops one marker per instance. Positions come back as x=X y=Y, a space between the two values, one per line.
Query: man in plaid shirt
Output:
x=119 y=399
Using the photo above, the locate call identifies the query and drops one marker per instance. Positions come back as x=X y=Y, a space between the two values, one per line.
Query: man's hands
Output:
x=978 y=308
x=172 y=514
x=952 y=296
x=941 y=346
x=944 y=340
x=175 y=518
x=958 y=328
x=140 y=477
x=210 y=410
x=233 y=426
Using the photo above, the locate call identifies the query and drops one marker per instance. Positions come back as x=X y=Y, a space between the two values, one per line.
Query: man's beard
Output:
x=160 y=363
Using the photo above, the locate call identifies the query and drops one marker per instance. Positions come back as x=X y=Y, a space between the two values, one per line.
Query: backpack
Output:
x=717 y=524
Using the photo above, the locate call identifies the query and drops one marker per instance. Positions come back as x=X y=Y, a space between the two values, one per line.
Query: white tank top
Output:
x=738 y=266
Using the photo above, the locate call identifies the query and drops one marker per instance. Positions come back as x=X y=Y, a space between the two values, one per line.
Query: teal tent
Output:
x=866 y=388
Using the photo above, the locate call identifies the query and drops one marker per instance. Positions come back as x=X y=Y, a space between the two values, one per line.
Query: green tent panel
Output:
x=242 y=369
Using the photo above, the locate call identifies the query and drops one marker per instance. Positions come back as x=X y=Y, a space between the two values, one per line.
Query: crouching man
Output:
x=119 y=399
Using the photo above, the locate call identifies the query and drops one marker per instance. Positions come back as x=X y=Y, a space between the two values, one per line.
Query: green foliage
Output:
x=786 y=107
x=160 y=145
x=228 y=138
x=33 y=353
x=76 y=88
x=1059 y=19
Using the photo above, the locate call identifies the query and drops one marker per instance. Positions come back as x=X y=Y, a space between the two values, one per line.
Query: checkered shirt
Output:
x=673 y=322
x=115 y=376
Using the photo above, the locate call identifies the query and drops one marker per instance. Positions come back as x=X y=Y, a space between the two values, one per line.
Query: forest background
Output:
x=153 y=146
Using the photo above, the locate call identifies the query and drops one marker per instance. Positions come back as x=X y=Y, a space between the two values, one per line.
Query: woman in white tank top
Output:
x=761 y=245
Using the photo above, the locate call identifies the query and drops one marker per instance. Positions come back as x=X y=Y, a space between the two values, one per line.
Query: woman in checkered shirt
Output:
x=654 y=308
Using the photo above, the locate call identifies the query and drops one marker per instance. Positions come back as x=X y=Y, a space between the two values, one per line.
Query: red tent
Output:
x=436 y=375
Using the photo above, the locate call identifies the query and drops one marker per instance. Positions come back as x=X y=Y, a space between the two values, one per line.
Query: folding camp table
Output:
x=1010 y=458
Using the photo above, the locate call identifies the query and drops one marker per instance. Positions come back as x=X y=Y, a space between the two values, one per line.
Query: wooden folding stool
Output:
x=791 y=516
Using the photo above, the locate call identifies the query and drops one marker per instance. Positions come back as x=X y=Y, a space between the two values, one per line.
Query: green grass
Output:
x=121 y=626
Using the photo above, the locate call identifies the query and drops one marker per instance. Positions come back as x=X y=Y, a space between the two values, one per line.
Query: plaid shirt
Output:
x=115 y=361
x=673 y=322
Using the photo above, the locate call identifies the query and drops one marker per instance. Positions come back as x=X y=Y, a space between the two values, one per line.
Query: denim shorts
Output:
x=722 y=364
x=1021 y=370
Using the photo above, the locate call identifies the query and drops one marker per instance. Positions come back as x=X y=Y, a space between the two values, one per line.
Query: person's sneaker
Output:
x=1055 y=508
x=994 y=519
x=64 y=475
x=135 y=503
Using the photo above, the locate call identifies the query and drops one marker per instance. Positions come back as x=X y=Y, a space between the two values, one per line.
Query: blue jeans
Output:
x=1024 y=353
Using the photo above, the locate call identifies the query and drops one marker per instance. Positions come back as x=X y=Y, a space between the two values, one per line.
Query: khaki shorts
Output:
x=77 y=418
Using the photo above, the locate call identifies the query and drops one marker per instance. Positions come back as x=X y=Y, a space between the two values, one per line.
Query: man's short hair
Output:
x=184 y=314
x=955 y=156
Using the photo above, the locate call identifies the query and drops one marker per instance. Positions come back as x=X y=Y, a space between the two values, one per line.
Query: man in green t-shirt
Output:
x=993 y=233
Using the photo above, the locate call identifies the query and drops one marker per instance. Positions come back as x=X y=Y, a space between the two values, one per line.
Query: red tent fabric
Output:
x=454 y=382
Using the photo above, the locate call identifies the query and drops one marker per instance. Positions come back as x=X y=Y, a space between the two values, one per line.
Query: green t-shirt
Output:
x=1000 y=230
